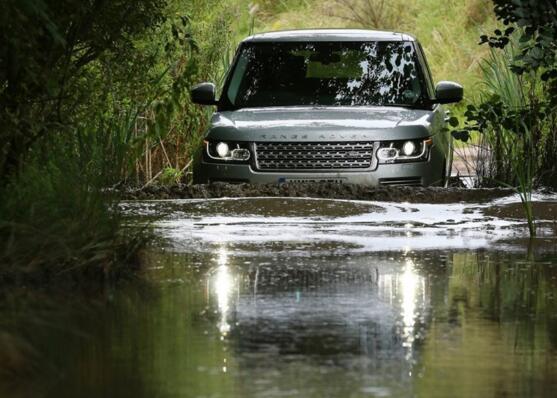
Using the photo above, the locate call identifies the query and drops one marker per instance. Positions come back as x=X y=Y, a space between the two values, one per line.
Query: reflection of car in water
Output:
x=371 y=305
x=351 y=106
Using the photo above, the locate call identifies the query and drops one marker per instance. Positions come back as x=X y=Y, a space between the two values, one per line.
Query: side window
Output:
x=237 y=78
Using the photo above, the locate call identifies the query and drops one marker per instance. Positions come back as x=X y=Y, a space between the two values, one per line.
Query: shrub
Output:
x=516 y=115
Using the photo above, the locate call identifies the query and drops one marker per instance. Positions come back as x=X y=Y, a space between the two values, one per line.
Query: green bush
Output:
x=170 y=176
x=516 y=113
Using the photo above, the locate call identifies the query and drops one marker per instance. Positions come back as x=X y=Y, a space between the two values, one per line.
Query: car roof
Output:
x=329 y=35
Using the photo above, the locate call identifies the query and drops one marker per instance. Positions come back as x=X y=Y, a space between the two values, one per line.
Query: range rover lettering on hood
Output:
x=295 y=137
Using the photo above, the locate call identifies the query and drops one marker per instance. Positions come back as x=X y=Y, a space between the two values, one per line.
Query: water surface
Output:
x=303 y=298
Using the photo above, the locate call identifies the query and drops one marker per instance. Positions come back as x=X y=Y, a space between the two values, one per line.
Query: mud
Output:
x=542 y=211
x=319 y=190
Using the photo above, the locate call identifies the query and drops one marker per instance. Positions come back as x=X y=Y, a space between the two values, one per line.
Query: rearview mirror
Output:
x=204 y=94
x=448 y=92
x=325 y=58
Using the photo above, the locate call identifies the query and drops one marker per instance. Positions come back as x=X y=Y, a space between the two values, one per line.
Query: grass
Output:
x=57 y=220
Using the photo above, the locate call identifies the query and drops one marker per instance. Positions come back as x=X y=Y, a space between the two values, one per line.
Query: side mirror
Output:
x=448 y=92
x=204 y=94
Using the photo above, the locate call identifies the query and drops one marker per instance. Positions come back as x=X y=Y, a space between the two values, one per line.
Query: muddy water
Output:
x=304 y=298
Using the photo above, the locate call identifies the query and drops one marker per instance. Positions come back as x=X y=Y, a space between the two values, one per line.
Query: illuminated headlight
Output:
x=222 y=150
x=409 y=148
x=227 y=151
x=404 y=151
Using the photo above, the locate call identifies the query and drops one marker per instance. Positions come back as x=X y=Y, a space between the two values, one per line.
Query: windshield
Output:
x=325 y=73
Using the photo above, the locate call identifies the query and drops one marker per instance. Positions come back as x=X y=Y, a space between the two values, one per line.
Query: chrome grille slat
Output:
x=313 y=155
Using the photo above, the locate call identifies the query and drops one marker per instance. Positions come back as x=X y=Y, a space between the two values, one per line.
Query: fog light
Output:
x=408 y=148
x=222 y=149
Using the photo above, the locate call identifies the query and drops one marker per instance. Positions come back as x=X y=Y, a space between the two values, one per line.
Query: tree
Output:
x=46 y=47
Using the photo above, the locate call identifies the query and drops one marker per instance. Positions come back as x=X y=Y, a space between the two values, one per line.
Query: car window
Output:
x=326 y=73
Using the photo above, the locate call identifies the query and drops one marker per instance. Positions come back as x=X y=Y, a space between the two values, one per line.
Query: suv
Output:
x=334 y=105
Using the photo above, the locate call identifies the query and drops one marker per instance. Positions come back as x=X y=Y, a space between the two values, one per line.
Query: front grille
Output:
x=313 y=155
x=401 y=181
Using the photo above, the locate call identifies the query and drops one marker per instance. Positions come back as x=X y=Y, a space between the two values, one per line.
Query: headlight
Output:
x=227 y=151
x=222 y=150
x=404 y=151
x=409 y=148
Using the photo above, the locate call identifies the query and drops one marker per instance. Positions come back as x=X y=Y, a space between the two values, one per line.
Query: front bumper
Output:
x=417 y=174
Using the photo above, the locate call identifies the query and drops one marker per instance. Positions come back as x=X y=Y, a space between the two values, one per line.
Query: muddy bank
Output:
x=319 y=190
x=542 y=211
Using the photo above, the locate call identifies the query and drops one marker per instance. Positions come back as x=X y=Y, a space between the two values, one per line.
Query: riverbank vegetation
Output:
x=516 y=114
x=94 y=95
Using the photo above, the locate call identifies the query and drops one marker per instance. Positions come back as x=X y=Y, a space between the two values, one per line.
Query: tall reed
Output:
x=58 y=220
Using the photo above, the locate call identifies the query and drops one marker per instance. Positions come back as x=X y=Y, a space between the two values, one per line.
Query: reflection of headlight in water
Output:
x=411 y=286
x=222 y=260
x=223 y=285
x=409 y=282
x=223 y=290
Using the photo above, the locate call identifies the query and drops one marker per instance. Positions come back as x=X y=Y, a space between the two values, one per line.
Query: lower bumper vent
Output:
x=401 y=181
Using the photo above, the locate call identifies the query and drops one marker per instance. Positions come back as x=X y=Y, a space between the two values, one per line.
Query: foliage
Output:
x=513 y=133
x=171 y=176
x=269 y=9
x=67 y=134
x=376 y=14
x=48 y=50
x=58 y=224
x=196 y=43
x=516 y=116
x=537 y=23
x=93 y=94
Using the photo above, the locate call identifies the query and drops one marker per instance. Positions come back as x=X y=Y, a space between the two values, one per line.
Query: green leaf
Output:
x=461 y=135
x=453 y=121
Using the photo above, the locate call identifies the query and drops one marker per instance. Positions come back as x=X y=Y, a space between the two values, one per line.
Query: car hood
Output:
x=320 y=124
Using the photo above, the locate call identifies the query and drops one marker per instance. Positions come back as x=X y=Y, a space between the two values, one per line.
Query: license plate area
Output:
x=302 y=180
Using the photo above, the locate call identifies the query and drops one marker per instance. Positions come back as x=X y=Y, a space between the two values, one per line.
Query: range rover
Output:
x=337 y=105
